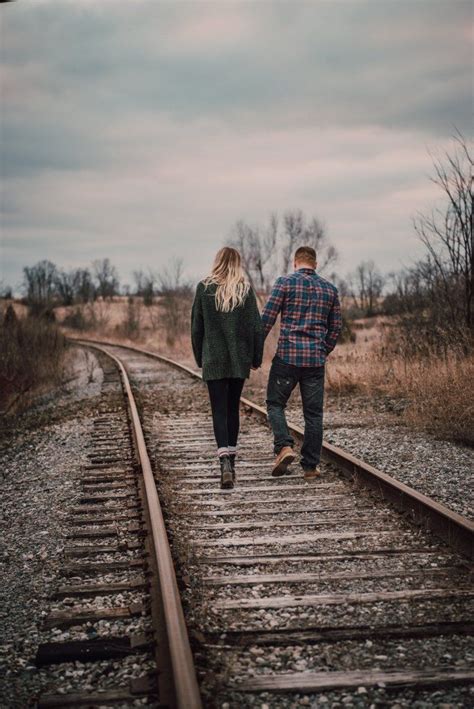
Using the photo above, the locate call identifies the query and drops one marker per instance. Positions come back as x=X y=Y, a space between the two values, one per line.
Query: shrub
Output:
x=130 y=326
x=76 y=320
x=439 y=392
x=433 y=384
x=31 y=353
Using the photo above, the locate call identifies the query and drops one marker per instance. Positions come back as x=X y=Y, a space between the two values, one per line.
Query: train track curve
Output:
x=292 y=591
x=455 y=529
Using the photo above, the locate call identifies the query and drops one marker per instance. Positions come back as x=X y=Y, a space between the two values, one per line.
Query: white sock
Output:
x=222 y=451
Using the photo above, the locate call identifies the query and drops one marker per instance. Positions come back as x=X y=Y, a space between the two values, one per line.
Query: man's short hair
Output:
x=307 y=254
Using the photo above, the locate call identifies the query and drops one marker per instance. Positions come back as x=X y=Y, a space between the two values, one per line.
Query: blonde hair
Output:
x=228 y=275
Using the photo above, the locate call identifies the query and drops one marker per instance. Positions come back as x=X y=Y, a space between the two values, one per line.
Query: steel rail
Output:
x=455 y=529
x=184 y=675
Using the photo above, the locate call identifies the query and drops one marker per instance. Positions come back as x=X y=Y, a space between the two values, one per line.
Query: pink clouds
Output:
x=190 y=190
x=140 y=130
x=211 y=30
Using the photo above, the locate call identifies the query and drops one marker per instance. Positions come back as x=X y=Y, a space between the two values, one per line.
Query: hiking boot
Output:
x=227 y=478
x=284 y=458
x=312 y=473
x=232 y=464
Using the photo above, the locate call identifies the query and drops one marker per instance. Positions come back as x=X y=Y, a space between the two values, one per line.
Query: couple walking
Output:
x=228 y=336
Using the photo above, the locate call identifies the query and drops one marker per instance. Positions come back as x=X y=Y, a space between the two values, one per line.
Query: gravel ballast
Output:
x=440 y=469
x=45 y=452
x=42 y=456
x=179 y=431
x=41 y=482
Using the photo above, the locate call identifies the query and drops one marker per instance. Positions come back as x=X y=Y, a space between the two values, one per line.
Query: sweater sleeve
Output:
x=258 y=336
x=197 y=326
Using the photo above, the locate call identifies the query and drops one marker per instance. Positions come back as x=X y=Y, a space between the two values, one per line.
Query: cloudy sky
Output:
x=142 y=130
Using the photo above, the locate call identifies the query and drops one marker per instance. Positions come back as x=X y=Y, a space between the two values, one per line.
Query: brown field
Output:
x=434 y=393
x=132 y=323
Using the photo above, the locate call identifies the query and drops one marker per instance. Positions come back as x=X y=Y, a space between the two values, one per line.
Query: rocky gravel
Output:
x=361 y=698
x=403 y=563
x=115 y=600
x=371 y=428
x=39 y=482
x=216 y=620
x=103 y=628
x=174 y=412
x=439 y=469
x=44 y=451
x=96 y=676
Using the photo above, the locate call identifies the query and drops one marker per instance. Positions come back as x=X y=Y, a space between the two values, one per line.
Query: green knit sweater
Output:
x=225 y=344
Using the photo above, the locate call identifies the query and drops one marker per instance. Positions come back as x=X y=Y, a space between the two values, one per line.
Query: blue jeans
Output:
x=281 y=382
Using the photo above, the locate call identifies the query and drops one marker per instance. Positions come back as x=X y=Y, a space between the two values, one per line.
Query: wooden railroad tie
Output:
x=91 y=650
x=319 y=634
x=137 y=688
x=324 y=681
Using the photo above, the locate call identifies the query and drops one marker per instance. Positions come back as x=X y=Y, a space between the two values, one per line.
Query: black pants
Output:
x=225 y=404
x=283 y=379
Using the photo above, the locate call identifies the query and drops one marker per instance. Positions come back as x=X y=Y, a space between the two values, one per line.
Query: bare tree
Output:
x=447 y=232
x=6 y=291
x=65 y=286
x=170 y=278
x=175 y=300
x=366 y=286
x=145 y=284
x=106 y=278
x=375 y=284
x=139 y=277
x=40 y=284
x=265 y=250
x=268 y=251
x=298 y=232
x=83 y=287
x=256 y=247
x=294 y=231
x=357 y=287
x=341 y=284
x=74 y=286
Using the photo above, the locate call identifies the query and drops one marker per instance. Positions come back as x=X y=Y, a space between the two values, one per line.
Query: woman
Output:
x=227 y=341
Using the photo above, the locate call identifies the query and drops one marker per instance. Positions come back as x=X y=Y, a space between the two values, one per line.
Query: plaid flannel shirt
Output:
x=310 y=317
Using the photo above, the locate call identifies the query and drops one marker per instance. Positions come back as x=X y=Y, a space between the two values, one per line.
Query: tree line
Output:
x=45 y=285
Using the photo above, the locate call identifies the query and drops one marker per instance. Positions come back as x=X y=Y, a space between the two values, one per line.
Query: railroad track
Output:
x=120 y=574
x=293 y=592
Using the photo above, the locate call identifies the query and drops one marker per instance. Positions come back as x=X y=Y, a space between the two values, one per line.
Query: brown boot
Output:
x=312 y=473
x=284 y=458
x=227 y=478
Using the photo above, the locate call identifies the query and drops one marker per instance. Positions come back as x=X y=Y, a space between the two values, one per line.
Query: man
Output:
x=309 y=328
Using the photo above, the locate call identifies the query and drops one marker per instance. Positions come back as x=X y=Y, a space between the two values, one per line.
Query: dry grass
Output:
x=441 y=397
x=436 y=391
x=130 y=323
x=31 y=357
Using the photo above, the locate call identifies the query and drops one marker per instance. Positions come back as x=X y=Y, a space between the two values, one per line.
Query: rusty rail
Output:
x=455 y=529
x=185 y=684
